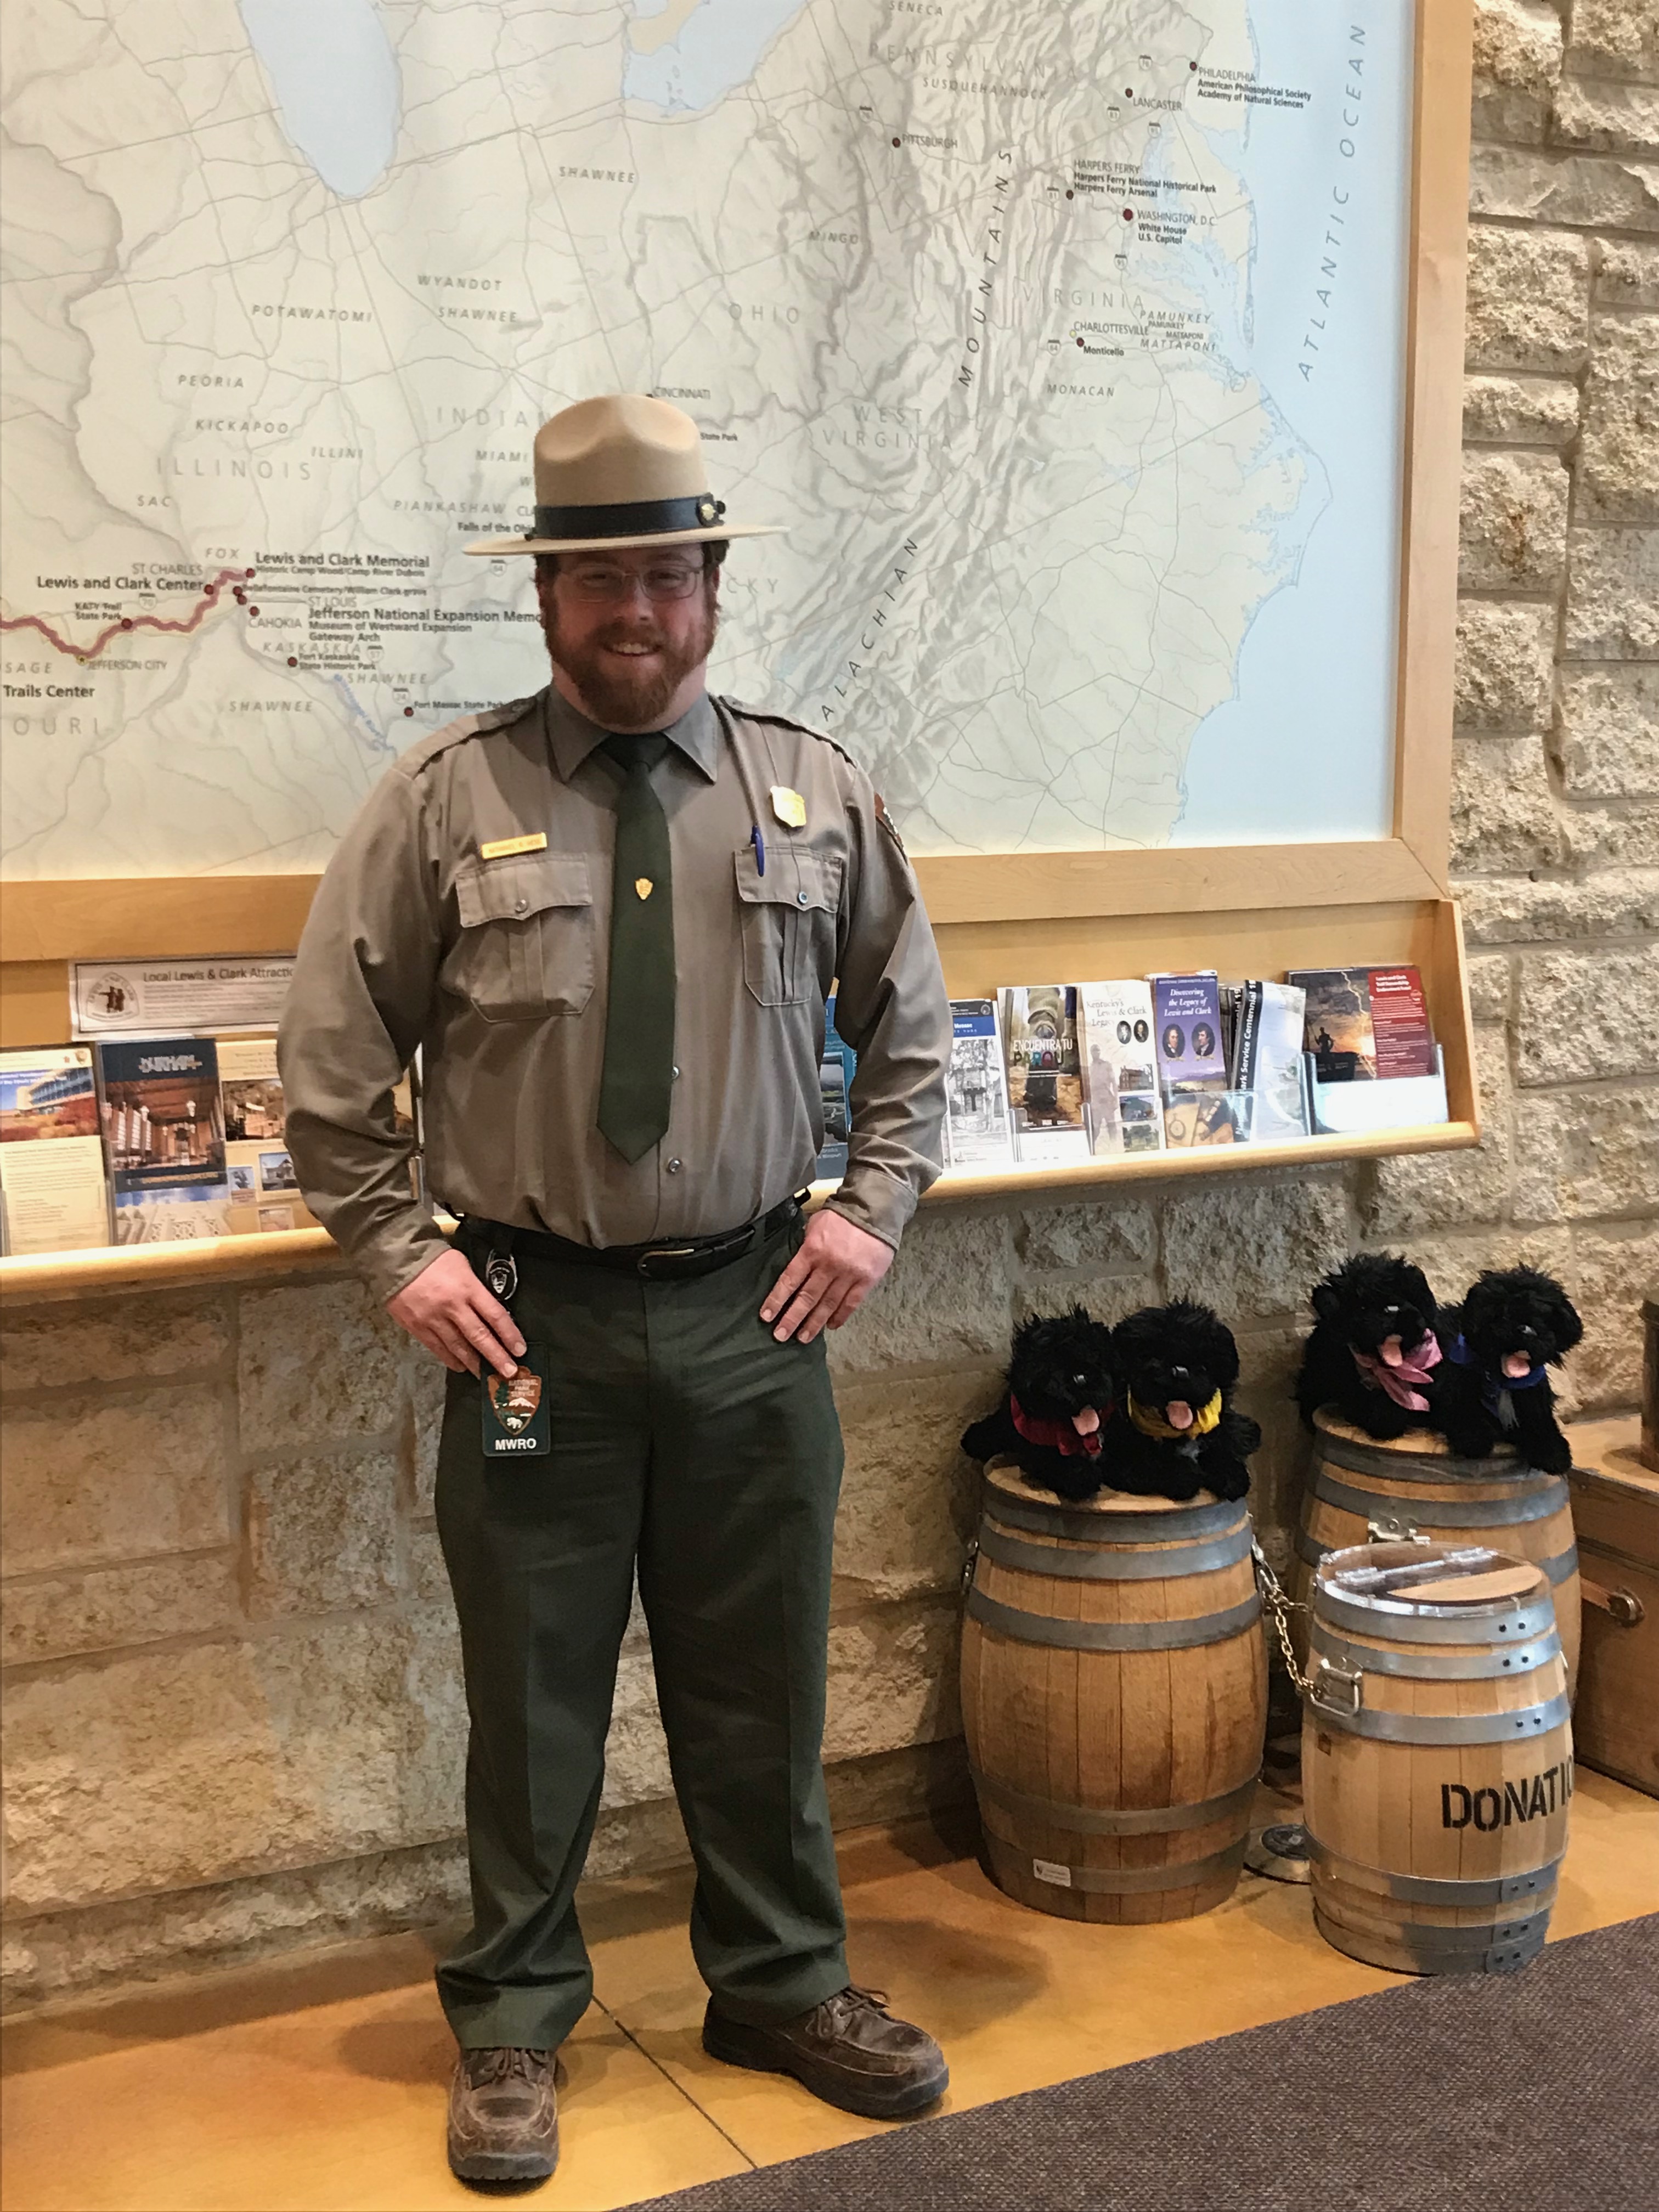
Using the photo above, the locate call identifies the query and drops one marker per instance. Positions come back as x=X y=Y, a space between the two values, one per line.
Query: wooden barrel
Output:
x=1358 y=1488
x=1114 y=1685
x=1437 y=1757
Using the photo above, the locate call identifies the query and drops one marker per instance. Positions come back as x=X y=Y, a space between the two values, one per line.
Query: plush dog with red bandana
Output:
x=1055 y=1413
x=1176 y=1432
x=1374 y=1358
x=1514 y=1326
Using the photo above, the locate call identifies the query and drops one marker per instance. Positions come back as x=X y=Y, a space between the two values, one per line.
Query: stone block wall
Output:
x=233 y=1717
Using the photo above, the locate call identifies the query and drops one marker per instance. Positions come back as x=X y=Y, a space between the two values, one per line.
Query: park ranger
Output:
x=610 y=914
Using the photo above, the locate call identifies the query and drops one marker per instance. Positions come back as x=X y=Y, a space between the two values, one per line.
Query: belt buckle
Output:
x=642 y=1265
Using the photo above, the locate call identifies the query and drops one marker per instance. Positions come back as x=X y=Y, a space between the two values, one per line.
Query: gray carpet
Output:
x=1534 y=2091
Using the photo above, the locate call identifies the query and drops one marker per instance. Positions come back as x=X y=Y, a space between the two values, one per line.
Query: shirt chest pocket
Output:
x=526 y=949
x=788 y=918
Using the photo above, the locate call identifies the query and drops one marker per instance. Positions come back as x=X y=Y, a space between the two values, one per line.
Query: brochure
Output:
x=1267 y=1058
x=53 y=1194
x=1186 y=1013
x=837 y=1064
x=978 y=1127
x=1364 y=1024
x=1045 y=1081
x=164 y=1130
x=1120 y=1066
x=262 y=1187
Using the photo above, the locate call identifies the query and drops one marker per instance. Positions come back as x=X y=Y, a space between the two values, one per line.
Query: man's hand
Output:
x=828 y=1278
x=448 y=1310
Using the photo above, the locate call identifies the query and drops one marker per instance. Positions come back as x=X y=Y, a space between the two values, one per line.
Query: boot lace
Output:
x=508 y=2061
x=853 y=1999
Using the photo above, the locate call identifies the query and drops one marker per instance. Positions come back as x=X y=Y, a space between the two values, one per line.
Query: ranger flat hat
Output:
x=620 y=471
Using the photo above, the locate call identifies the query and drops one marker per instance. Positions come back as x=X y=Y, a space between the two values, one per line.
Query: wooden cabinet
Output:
x=1615 y=1510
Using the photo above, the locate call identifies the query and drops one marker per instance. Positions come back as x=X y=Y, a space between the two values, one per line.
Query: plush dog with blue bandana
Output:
x=1511 y=1329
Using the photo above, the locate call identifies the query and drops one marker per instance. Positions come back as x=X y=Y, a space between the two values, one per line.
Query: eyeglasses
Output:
x=597 y=584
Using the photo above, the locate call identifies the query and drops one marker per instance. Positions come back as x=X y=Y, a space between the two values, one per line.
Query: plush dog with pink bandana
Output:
x=1514 y=1326
x=1375 y=1357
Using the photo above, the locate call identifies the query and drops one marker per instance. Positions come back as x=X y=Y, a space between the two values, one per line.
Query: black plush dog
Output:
x=1514 y=1326
x=1176 y=1432
x=1373 y=1356
x=1058 y=1400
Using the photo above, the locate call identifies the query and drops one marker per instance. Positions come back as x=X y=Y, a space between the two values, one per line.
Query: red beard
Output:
x=614 y=698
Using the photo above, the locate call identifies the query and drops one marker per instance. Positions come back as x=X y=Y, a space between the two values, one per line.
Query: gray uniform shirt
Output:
x=497 y=963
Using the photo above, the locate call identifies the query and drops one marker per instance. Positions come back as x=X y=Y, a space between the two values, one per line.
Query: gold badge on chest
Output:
x=789 y=806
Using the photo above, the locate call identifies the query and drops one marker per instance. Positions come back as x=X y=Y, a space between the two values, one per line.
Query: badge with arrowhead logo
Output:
x=515 y=1413
x=644 y=886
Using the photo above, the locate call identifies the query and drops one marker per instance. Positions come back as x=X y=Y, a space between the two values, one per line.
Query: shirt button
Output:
x=673 y=1167
x=519 y=905
x=800 y=898
x=676 y=1075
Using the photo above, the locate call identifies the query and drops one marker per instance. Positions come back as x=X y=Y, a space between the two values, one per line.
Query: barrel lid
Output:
x=1414 y=1443
x=1002 y=1475
x=1471 y=1579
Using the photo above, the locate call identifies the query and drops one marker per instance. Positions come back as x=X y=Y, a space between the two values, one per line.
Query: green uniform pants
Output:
x=687 y=1442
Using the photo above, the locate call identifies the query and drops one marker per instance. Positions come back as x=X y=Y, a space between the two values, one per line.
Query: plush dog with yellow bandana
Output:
x=1175 y=1433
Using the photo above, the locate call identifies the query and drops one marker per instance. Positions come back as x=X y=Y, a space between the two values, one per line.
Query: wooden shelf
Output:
x=978 y=957
x=48 y=1278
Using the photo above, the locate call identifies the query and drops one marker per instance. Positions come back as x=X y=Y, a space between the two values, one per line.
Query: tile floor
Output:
x=316 y=2084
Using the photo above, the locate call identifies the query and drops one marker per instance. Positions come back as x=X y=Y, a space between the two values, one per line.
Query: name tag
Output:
x=502 y=847
x=515 y=1409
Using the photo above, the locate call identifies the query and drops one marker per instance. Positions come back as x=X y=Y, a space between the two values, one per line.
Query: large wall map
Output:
x=1067 y=334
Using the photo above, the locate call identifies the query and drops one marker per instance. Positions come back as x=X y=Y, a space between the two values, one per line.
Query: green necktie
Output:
x=639 y=1023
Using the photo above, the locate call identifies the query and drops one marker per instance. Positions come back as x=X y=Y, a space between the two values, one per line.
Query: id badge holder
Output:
x=513 y=1408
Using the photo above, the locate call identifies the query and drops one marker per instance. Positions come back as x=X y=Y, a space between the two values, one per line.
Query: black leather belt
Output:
x=667 y=1260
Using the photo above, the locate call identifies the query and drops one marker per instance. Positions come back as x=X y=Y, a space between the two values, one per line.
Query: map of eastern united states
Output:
x=961 y=293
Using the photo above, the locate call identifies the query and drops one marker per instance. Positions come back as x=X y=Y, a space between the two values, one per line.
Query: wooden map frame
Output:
x=1000 y=918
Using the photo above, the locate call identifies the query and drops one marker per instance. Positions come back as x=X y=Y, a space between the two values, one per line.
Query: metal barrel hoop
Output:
x=1557 y=1567
x=1135 y=1881
x=1519 y=1626
x=1456 y=1892
x=1332 y=1687
x=1114 y=1820
x=1533 y=1503
x=1112 y=1635
x=1038 y=1518
x=1424 y=1664
x=1110 y=1566
x=1356 y=1458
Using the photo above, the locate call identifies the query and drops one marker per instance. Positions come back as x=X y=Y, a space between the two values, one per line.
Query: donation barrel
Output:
x=1114 y=1687
x=1437 y=1757
x=1359 y=1488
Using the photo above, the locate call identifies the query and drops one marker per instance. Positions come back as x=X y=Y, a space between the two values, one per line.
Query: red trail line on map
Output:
x=125 y=627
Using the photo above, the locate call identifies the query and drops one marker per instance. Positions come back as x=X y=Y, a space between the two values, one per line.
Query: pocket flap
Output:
x=793 y=877
x=524 y=884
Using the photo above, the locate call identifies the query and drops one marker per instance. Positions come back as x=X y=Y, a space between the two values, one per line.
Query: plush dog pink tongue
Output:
x=1178 y=1413
x=1086 y=1422
x=1515 y=1365
x=1389 y=1352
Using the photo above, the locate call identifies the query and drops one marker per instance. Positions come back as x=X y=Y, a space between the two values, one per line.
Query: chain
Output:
x=1281 y=1607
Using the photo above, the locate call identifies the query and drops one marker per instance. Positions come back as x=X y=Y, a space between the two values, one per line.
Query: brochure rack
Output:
x=977 y=957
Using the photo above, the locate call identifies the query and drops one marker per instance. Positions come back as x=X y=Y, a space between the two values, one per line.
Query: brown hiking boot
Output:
x=849 y=2050
x=503 y=2116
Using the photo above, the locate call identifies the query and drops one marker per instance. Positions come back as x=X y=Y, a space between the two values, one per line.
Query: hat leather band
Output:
x=636 y=518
